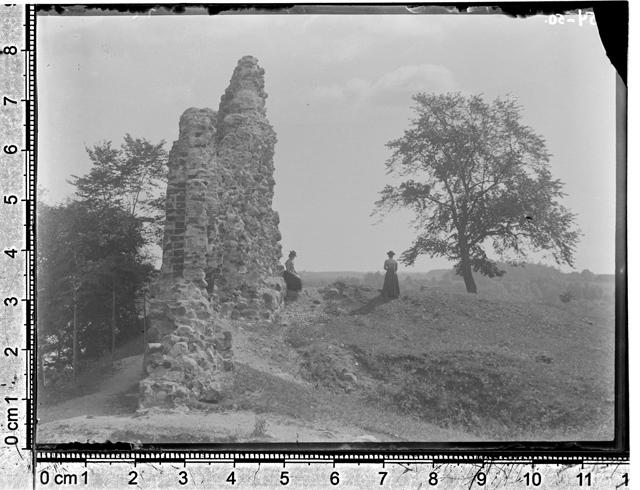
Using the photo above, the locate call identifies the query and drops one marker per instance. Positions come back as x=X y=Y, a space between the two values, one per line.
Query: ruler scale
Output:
x=122 y=472
x=18 y=218
x=31 y=125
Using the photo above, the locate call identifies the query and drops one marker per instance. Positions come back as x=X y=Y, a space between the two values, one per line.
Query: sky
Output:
x=339 y=88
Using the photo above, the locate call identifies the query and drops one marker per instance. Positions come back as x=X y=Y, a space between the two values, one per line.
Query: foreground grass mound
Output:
x=496 y=369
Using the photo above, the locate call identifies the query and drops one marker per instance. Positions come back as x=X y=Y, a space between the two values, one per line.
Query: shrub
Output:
x=566 y=296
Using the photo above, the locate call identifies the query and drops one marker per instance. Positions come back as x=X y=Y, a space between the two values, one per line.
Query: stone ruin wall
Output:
x=221 y=249
x=242 y=265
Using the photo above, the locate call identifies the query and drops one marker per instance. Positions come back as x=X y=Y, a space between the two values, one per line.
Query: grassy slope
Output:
x=497 y=370
x=430 y=366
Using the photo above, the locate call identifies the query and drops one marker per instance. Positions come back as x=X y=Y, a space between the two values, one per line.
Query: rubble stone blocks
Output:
x=191 y=162
x=221 y=249
x=247 y=239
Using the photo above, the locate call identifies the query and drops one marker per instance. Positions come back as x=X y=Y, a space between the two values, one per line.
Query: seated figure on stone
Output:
x=291 y=277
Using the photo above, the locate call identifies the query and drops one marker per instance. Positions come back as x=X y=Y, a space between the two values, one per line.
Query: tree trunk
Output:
x=75 y=336
x=144 y=320
x=59 y=352
x=113 y=325
x=467 y=275
x=465 y=268
x=40 y=374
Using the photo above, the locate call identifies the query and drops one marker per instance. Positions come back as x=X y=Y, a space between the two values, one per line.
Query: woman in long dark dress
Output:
x=291 y=277
x=391 y=287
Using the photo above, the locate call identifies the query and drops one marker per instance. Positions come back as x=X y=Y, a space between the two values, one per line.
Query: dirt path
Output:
x=114 y=394
x=252 y=350
x=189 y=426
x=103 y=416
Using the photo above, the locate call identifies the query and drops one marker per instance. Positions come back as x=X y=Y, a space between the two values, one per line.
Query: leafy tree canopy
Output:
x=128 y=177
x=477 y=179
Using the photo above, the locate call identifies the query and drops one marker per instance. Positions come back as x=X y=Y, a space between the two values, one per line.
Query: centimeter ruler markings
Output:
x=29 y=219
x=195 y=456
x=162 y=470
x=30 y=216
x=17 y=181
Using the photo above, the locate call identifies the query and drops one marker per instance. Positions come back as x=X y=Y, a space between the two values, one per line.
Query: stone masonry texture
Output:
x=246 y=246
x=221 y=246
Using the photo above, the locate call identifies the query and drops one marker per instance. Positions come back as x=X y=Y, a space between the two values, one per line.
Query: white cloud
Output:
x=407 y=80
x=394 y=87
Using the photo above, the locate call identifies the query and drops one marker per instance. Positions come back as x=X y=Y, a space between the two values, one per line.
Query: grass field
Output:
x=344 y=365
x=495 y=369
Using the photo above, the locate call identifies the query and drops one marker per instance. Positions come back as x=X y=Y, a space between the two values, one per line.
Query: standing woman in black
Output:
x=391 y=288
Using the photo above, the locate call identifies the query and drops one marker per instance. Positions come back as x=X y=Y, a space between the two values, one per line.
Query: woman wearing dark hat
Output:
x=391 y=288
x=291 y=277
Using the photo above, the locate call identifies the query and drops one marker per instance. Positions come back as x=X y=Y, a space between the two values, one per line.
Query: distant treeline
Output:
x=528 y=282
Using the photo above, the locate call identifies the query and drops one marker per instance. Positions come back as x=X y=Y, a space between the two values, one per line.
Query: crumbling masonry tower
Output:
x=221 y=247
